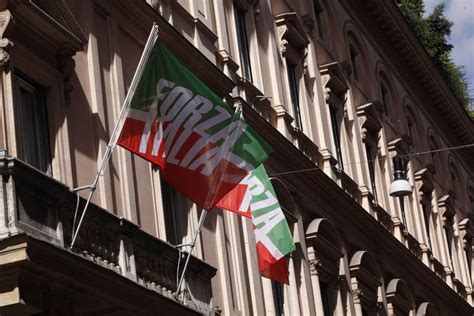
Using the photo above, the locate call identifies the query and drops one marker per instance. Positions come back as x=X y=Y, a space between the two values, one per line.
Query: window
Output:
x=448 y=231
x=325 y=297
x=411 y=126
x=385 y=93
x=433 y=159
x=426 y=217
x=318 y=11
x=278 y=297
x=455 y=182
x=294 y=94
x=354 y=62
x=336 y=136
x=385 y=99
x=173 y=208
x=32 y=124
x=243 y=43
x=371 y=165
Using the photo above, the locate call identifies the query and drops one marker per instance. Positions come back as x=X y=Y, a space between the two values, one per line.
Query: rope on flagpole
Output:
x=204 y=212
x=153 y=36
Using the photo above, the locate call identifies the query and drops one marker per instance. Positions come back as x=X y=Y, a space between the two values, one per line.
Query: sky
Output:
x=461 y=12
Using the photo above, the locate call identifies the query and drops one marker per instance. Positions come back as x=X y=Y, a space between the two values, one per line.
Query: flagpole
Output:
x=204 y=212
x=202 y=218
x=152 y=37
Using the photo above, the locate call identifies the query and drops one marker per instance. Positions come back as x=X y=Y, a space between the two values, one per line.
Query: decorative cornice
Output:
x=387 y=27
x=342 y=209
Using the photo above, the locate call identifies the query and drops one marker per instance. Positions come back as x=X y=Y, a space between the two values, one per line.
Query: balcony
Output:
x=114 y=268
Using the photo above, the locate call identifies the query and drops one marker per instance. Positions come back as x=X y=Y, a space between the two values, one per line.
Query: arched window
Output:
x=411 y=125
x=356 y=55
x=355 y=62
x=426 y=309
x=385 y=91
x=320 y=19
x=364 y=268
x=455 y=181
x=436 y=157
x=399 y=298
x=325 y=250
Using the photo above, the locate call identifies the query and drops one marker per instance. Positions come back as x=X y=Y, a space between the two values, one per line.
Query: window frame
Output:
x=294 y=89
x=40 y=146
x=243 y=43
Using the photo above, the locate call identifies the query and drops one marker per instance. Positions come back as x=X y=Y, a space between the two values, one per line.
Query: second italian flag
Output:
x=255 y=197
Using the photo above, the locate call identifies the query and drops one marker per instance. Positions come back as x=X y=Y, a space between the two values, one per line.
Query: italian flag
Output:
x=174 y=120
x=255 y=197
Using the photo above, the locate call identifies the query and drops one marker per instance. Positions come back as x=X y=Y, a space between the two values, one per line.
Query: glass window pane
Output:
x=294 y=95
x=32 y=124
x=243 y=44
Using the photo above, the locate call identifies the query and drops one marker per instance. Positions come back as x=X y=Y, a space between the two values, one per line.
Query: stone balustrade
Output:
x=36 y=205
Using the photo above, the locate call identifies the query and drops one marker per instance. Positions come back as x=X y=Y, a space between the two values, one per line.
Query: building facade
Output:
x=337 y=88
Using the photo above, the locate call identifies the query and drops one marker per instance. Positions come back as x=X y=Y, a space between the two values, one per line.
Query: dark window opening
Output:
x=385 y=99
x=371 y=166
x=433 y=159
x=426 y=217
x=243 y=43
x=354 y=58
x=411 y=132
x=278 y=298
x=32 y=129
x=325 y=298
x=336 y=136
x=294 y=95
x=172 y=209
x=448 y=231
x=319 y=19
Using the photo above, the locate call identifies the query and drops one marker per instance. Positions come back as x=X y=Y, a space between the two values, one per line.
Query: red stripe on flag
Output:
x=202 y=189
x=269 y=267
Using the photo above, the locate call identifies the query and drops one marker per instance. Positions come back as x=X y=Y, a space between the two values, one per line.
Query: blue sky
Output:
x=461 y=12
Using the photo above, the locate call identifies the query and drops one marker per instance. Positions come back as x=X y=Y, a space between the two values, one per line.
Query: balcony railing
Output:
x=42 y=208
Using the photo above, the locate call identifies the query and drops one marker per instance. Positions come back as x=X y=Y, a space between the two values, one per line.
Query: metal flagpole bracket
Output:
x=84 y=187
x=190 y=244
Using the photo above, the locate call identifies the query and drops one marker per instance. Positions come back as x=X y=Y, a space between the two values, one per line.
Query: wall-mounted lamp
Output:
x=399 y=186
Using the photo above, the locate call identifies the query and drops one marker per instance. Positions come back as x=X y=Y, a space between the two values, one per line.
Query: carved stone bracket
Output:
x=314 y=266
x=446 y=207
x=424 y=181
x=370 y=120
x=400 y=145
x=334 y=83
x=292 y=36
x=6 y=21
